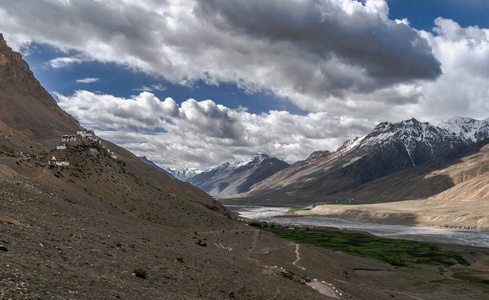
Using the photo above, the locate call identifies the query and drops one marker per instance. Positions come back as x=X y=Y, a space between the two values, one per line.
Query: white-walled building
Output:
x=85 y=134
x=69 y=138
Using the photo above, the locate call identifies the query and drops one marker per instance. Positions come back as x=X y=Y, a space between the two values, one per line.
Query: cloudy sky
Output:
x=191 y=84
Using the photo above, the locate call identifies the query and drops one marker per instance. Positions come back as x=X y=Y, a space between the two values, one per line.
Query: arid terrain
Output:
x=402 y=198
x=107 y=226
x=60 y=244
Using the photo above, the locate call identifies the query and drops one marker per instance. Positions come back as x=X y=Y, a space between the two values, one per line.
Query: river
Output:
x=424 y=234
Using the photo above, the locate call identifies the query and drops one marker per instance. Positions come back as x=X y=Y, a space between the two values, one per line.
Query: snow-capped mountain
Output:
x=419 y=140
x=182 y=175
x=185 y=174
x=472 y=129
x=235 y=178
x=387 y=149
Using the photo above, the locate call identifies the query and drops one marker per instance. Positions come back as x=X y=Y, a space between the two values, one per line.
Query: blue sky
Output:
x=193 y=84
x=422 y=13
x=120 y=81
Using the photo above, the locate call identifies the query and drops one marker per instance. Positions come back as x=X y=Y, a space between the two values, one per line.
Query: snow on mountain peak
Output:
x=411 y=134
x=184 y=174
x=472 y=129
x=350 y=144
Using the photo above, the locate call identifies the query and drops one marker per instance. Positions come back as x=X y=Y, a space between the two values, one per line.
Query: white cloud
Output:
x=154 y=87
x=320 y=54
x=345 y=62
x=463 y=89
x=202 y=134
x=62 y=62
x=88 y=80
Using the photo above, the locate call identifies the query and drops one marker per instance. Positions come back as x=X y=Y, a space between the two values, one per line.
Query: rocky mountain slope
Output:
x=25 y=106
x=388 y=149
x=451 y=190
x=145 y=160
x=230 y=179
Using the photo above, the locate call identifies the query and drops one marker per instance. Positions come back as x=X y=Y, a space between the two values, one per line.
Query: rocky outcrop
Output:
x=26 y=106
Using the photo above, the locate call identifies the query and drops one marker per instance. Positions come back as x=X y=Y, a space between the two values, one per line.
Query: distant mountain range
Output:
x=388 y=149
x=236 y=178
x=185 y=174
x=228 y=179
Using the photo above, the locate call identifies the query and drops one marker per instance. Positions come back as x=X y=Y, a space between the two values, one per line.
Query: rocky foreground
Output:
x=55 y=244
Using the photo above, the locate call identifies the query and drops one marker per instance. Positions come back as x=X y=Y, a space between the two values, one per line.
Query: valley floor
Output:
x=465 y=215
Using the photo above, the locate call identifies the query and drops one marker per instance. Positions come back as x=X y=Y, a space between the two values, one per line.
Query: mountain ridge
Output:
x=25 y=106
x=235 y=178
x=389 y=148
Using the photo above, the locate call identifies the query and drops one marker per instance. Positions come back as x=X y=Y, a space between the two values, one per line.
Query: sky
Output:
x=193 y=84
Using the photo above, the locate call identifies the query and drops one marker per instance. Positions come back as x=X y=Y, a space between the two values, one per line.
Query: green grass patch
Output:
x=131 y=207
x=396 y=252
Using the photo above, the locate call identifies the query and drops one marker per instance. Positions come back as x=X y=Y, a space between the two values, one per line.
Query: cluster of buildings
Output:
x=58 y=158
x=82 y=137
x=26 y=156
x=73 y=139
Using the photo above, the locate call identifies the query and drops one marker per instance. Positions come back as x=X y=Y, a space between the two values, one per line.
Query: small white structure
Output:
x=62 y=163
x=114 y=157
x=61 y=147
x=69 y=138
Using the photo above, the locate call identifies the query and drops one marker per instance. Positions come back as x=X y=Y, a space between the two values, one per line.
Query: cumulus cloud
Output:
x=202 y=133
x=463 y=89
x=88 y=80
x=356 y=34
x=319 y=54
x=344 y=61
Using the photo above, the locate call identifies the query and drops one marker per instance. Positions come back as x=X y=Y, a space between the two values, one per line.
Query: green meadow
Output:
x=396 y=252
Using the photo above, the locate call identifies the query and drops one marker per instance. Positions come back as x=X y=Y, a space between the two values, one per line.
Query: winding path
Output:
x=298 y=258
x=42 y=174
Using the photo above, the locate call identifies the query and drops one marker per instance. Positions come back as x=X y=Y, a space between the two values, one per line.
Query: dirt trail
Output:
x=42 y=174
x=298 y=258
